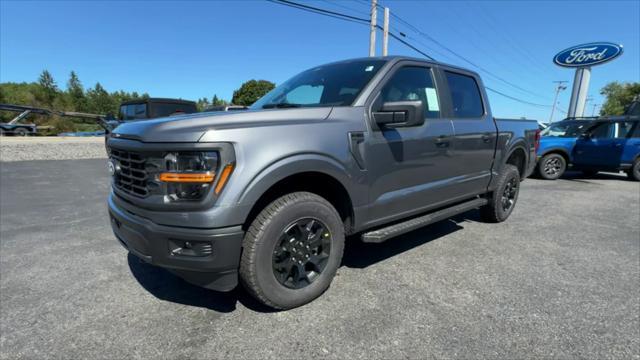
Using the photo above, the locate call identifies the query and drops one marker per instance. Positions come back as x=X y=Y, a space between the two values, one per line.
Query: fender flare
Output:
x=563 y=151
x=296 y=164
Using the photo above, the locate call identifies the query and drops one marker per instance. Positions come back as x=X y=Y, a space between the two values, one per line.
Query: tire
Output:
x=278 y=233
x=589 y=173
x=507 y=190
x=552 y=166
x=20 y=132
x=634 y=172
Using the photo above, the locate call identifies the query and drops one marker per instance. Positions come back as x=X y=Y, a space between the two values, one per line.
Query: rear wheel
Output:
x=552 y=166
x=503 y=199
x=634 y=172
x=292 y=250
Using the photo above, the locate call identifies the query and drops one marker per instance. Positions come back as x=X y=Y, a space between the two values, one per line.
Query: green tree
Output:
x=100 y=101
x=251 y=91
x=202 y=104
x=75 y=93
x=48 y=86
x=618 y=96
x=216 y=101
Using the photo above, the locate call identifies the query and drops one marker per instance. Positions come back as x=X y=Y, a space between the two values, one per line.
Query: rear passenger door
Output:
x=474 y=130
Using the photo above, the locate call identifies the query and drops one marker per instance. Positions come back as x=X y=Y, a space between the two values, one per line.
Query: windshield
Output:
x=328 y=85
x=566 y=129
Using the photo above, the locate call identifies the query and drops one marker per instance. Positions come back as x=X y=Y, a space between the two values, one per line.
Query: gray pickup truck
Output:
x=375 y=147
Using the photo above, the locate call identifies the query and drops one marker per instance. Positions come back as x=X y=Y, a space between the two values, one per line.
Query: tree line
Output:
x=46 y=93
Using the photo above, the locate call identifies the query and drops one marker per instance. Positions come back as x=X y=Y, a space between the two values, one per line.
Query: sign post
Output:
x=582 y=57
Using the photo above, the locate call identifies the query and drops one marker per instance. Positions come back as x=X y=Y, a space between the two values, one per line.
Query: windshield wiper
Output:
x=280 y=106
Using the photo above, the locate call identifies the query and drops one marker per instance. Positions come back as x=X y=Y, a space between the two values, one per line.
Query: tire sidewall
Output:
x=545 y=159
x=635 y=170
x=510 y=173
x=271 y=288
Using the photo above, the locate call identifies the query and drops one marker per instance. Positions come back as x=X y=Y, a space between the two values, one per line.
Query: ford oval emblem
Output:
x=588 y=54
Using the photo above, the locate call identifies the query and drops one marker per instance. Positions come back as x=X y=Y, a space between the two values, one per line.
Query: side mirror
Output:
x=394 y=114
x=585 y=136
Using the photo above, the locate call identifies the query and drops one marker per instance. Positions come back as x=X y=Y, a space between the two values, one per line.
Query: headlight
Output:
x=189 y=175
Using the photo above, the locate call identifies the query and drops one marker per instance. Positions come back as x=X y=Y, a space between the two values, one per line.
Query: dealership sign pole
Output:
x=583 y=57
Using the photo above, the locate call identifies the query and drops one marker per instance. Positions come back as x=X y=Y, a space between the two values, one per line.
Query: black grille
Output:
x=131 y=175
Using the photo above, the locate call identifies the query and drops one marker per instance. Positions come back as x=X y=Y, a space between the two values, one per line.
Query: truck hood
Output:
x=190 y=128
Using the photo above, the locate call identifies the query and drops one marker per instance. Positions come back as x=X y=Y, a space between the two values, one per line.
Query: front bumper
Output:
x=156 y=244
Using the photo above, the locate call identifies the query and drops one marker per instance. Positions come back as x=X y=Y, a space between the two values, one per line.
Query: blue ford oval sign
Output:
x=588 y=54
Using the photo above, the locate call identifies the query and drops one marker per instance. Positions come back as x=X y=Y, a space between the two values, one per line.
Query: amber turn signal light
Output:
x=224 y=176
x=206 y=177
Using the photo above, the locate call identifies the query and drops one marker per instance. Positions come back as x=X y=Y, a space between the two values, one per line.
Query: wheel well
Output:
x=518 y=158
x=314 y=182
x=559 y=152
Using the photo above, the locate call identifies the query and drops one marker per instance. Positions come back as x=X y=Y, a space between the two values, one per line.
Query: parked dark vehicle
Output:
x=373 y=146
x=152 y=108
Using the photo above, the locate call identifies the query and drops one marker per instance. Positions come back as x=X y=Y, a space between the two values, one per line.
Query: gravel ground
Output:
x=559 y=279
x=51 y=148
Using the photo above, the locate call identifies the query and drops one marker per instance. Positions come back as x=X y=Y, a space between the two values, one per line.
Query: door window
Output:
x=622 y=129
x=465 y=96
x=412 y=83
x=601 y=131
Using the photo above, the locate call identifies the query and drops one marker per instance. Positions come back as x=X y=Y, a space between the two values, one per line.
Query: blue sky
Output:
x=194 y=49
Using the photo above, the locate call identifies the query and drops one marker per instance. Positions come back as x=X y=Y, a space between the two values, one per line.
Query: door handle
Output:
x=486 y=138
x=442 y=141
x=617 y=145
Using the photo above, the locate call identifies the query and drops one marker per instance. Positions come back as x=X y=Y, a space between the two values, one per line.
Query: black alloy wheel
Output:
x=509 y=194
x=301 y=253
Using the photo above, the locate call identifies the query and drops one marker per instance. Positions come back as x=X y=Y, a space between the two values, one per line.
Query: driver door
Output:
x=601 y=146
x=409 y=166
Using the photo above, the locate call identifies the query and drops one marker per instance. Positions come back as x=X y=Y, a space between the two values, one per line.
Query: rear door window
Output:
x=466 y=99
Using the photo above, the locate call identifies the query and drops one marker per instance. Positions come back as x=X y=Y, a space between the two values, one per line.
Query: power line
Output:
x=432 y=39
x=345 y=17
x=515 y=98
x=321 y=11
x=363 y=21
x=341 y=5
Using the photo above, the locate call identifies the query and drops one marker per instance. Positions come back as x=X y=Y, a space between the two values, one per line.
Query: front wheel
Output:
x=292 y=250
x=552 y=166
x=503 y=199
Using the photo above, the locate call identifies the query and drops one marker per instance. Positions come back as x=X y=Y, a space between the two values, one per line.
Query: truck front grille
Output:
x=131 y=175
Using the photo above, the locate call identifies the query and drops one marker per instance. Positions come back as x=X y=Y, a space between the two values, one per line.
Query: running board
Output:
x=380 y=235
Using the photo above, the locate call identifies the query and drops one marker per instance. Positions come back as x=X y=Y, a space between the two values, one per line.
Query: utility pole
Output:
x=374 y=25
x=593 y=111
x=559 y=88
x=385 y=34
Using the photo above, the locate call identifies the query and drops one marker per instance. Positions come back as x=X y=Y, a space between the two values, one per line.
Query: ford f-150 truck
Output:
x=375 y=147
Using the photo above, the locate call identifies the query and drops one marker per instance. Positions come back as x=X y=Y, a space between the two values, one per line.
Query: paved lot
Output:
x=559 y=279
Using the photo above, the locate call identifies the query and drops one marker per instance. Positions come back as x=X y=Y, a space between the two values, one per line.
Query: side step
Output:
x=380 y=235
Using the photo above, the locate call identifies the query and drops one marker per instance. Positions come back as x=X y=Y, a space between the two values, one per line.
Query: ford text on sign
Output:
x=588 y=54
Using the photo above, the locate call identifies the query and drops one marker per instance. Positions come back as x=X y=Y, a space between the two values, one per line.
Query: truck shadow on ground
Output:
x=578 y=176
x=168 y=287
